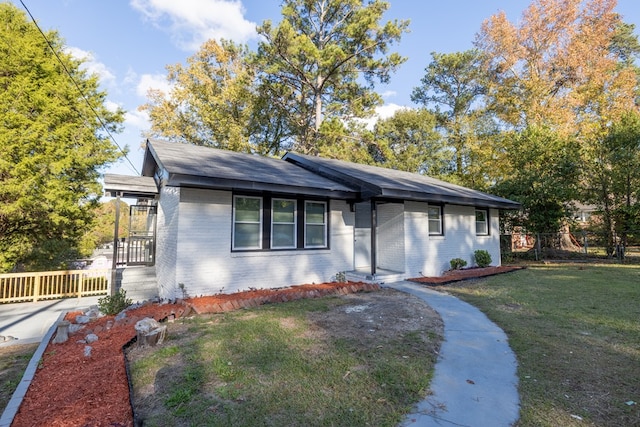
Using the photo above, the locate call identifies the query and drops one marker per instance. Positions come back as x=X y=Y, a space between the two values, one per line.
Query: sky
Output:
x=128 y=43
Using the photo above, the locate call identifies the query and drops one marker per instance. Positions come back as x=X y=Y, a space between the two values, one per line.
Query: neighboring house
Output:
x=229 y=221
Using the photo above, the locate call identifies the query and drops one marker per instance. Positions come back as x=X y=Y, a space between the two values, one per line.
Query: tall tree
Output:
x=453 y=88
x=557 y=68
x=211 y=101
x=409 y=141
x=563 y=69
x=615 y=183
x=323 y=59
x=52 y=146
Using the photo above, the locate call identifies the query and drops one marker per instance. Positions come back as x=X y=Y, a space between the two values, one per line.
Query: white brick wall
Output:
x=430 y=255
x=206 y=265
x=194 y=245
x=391 y=245
x=166 y=241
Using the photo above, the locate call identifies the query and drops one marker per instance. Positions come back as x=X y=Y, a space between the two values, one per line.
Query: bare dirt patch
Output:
x=367 y=320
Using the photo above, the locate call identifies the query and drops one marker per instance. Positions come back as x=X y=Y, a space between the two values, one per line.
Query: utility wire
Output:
x=95 y=113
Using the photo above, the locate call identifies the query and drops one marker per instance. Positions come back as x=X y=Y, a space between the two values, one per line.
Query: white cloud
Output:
x=388 y=93
x=137 y=119
x=383 y=112
x=111 y=106
x=153 y=81
x=191 y=22
x=91 y=64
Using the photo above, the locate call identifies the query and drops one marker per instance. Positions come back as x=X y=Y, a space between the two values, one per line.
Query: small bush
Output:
x=457 y=263
x=482 y=257
x=114 y=304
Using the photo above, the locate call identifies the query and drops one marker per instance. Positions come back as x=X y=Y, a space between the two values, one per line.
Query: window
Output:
x=435 y=220
x=315 y=225
x=283 y=224
x=247 y=223
x=482 y=223
x=263 y=223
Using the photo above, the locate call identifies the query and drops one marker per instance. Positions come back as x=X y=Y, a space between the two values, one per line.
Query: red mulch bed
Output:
x=452 y=276
x=70 y=389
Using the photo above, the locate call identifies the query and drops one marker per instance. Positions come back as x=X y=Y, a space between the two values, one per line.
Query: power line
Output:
x=95 y=113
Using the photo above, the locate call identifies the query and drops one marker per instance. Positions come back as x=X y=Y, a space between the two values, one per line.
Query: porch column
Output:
x=374 y=227
x=114 y=262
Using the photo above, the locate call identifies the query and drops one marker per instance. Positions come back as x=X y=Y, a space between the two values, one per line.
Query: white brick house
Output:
x=228 y=221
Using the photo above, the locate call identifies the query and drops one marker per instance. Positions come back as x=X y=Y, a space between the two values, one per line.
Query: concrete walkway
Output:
x=475 y=382
x=28 y=322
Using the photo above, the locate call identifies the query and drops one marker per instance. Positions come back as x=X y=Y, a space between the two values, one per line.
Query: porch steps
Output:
x=381 y=276
x=139 y=282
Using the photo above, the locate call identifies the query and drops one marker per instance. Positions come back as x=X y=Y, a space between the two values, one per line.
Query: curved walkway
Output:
x=475 y=382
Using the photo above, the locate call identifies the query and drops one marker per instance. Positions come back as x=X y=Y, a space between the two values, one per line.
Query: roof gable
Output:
x=186 y=165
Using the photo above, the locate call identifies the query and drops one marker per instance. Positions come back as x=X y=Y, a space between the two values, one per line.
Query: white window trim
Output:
x=324 y=224
x=233 y=237
x=486 y=221
x=429 y=219
x=294 y=223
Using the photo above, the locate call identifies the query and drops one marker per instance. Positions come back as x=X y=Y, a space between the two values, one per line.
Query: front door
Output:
x=362 y=237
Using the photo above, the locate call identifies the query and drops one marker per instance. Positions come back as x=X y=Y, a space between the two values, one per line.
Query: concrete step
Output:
x=139 y=282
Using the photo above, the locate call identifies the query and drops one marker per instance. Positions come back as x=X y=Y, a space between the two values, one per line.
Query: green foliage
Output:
x=409 y=141
x=114 y=304
x=543 y=175
x=322 y=61
x=52 y=147
x=457 y=263
x=482 y=258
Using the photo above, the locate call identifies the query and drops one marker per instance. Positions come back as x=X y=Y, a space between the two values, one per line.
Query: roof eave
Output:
x=189 y=181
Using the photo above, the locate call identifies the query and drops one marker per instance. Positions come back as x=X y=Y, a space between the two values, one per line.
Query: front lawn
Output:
x=575 y=329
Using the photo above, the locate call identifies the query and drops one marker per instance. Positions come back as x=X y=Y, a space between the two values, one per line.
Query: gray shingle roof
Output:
x=189 y=165
x=129 y=186
x=376 y=182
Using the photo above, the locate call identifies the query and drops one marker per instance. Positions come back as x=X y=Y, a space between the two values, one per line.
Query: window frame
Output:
x=294 y=223
x=260 y=224
x=486 y=222
x=325 y=224
x=440 y=220
x=266 y=222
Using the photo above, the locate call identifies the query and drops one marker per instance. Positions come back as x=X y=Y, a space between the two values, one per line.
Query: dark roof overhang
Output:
x=140 y=187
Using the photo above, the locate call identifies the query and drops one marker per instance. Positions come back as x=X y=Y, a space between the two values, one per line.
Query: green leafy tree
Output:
x=409 y=141
x=323 y=60
x=544 y=178
x=103 y=225
x=211 y=101
x=52 y=146
x=614 y=182
x=453 y=88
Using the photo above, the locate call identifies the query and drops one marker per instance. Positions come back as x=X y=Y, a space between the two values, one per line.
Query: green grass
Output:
x=575 y=329
x=13 y=362
x=272 y=366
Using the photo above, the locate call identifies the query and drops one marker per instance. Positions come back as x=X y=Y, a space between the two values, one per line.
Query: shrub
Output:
x=457 y=263
x=114 y=304
x=482 y=257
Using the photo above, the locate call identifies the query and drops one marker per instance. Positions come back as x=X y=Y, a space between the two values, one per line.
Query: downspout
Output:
x=114 y=261
x=374 y=227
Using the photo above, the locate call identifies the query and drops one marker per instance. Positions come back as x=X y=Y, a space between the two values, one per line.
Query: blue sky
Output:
x=128 y=43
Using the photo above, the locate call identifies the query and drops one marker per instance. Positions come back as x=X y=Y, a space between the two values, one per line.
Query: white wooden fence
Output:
x=19 y=287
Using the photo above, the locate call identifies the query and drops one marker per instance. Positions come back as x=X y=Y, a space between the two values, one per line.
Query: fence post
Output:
x=81 y=284
x=36 y=288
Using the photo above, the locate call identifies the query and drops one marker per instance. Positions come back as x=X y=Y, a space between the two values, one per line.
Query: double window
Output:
x=482 y=222
x=262 y=223
x=434 y=214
